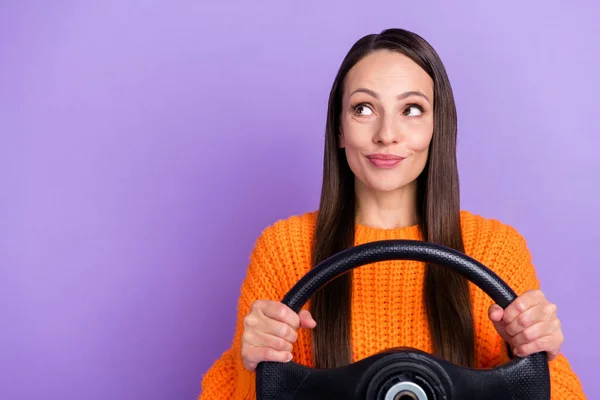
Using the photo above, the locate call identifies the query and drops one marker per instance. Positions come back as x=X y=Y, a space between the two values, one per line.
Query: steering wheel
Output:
x=404 y=373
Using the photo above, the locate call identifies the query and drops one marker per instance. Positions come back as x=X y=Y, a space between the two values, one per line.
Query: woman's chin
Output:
x=387 y=187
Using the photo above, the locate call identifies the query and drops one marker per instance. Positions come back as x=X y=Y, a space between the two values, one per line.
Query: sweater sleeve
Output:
x=227 y=378
x=520 y=274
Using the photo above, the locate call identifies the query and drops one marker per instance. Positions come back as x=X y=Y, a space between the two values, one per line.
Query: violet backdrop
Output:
x=144 y=145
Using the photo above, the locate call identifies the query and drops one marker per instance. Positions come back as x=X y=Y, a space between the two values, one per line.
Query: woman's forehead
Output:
x=388 y=73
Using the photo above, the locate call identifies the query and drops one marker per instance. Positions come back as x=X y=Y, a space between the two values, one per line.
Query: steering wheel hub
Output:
x=405 y=374
x=405 y=391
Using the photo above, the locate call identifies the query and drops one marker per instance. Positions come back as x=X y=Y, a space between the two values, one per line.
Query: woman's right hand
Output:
x=270 y=330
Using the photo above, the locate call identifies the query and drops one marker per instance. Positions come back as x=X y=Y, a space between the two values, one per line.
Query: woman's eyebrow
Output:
x=399 y=97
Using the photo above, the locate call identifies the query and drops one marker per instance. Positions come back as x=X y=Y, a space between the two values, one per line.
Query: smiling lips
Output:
x=385 y=160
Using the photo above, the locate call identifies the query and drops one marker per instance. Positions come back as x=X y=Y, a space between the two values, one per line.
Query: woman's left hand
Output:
x=529 y=324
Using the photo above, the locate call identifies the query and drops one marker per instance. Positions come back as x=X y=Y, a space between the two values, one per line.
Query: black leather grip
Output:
x=384 y=250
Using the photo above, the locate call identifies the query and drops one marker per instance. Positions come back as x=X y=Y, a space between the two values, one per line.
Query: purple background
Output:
x=145 y=145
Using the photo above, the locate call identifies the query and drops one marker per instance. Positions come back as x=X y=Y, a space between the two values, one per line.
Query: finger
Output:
x=531 y=317
x=495 y=313
x=254 y=355
x=548 y=343
x=521 y=304
x=306 y=320
x=279 y=329
x=281 y=312
x=259 y=339
x=500 y=328
x=535 y=332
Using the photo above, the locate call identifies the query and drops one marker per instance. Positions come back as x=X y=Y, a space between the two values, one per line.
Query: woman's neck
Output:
x=387 y=210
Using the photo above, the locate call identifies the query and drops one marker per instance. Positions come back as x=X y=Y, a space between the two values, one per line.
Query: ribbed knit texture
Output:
x=387 y=301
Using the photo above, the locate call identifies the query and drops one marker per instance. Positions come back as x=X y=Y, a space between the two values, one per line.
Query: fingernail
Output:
x=289 y=357
x=517 y=353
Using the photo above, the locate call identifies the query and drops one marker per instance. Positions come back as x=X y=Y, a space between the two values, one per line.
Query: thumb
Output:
x=306 y=320
x=495 y=314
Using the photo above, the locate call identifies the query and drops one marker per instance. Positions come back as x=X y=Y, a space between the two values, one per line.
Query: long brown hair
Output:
x=446 y=294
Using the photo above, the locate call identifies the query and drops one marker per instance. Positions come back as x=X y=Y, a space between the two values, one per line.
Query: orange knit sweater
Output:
x=387 y=302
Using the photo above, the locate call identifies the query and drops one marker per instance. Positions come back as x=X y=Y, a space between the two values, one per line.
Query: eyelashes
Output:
x=363 y=107
x=366 y=109
x=413 y=106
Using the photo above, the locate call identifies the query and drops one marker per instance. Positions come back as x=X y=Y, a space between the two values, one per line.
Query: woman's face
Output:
x=386 y=120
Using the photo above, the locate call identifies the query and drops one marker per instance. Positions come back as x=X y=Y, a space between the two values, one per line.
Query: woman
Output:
x=390 y=172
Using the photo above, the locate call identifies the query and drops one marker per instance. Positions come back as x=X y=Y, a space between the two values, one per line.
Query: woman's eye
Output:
x=363 y=109
x=413 y=111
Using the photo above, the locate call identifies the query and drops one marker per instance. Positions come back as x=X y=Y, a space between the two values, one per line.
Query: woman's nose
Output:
x=388 y=132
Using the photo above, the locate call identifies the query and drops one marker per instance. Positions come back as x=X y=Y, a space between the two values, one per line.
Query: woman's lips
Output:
x=385 y=160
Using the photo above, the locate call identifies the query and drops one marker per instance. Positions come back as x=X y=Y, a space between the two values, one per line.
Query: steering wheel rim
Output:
x=510 y=379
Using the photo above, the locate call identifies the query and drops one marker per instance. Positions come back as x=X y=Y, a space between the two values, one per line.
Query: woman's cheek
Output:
x=420 y=138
